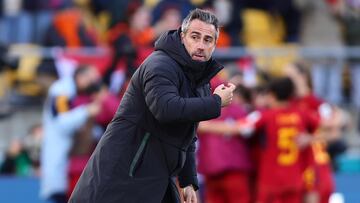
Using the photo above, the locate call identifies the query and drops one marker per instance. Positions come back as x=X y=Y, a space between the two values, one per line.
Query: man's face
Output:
x=199 y=40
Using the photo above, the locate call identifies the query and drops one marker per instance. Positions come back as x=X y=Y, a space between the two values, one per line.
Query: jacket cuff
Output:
x=217 y=98
x=191 y=180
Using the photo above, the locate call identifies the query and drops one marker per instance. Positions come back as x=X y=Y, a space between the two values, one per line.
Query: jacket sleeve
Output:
x=188 y=174
x=162 y=98
x=68 y=118
x=73 y=119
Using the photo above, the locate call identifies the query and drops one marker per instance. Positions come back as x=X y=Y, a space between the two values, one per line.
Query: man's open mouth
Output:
x=198 y=56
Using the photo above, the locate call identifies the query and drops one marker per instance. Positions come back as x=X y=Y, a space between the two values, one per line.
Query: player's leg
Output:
x=236 y=185
x=214 y=192
x=264 y=194
x=295 y=196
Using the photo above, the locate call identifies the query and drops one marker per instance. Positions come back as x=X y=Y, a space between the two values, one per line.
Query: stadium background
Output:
x=39 y=36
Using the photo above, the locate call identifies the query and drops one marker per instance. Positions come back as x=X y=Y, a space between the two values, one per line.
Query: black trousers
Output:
x=58 y=198
x=172 y=194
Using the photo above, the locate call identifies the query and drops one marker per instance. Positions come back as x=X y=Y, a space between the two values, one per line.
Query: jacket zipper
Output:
x=138 y=154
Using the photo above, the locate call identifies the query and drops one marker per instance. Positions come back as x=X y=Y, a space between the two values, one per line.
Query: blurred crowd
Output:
x=100 y=43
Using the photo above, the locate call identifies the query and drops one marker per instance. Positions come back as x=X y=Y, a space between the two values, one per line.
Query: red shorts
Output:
x=267 y=194
x=230 y=187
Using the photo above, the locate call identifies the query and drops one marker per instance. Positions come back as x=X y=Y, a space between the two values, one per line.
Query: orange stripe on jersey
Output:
x=62 y=104
x=288 y=119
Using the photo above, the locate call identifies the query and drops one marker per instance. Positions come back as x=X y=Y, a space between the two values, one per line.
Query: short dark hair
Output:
x=202 y=15
x=81 y=69
x=244 y=92
x=283 y=88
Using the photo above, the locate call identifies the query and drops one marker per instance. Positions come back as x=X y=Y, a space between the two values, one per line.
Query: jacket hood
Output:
x=201 y=72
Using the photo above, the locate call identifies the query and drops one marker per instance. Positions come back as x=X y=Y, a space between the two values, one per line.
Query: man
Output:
x=60 y=122
x=151 y=139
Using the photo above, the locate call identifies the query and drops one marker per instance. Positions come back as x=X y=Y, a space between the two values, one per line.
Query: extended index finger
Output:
x=188 y=198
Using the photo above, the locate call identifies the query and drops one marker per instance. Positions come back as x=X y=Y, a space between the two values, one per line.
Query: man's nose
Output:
x=201 y=45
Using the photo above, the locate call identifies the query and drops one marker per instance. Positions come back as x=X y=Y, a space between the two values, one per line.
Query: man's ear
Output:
x=182 y=35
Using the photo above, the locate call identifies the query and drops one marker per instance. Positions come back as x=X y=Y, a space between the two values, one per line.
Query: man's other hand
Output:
x=189 y=194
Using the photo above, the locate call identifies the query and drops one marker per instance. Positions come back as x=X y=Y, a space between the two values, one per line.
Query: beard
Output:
x=199 y=56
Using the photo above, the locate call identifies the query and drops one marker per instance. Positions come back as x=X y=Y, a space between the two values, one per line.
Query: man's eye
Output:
x=194 y=37
x=208 y=40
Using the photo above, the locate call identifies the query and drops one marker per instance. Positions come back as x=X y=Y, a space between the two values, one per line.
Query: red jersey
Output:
x=281 y=162
x=308 y=102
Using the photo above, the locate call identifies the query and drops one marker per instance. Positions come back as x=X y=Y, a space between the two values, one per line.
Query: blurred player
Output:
x=226 y=179
x=318 y=177
x=281 y=161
